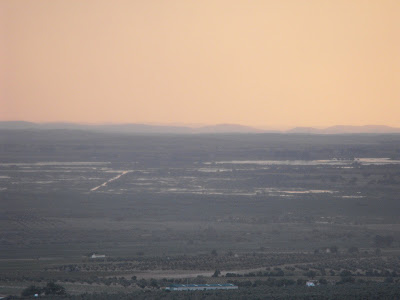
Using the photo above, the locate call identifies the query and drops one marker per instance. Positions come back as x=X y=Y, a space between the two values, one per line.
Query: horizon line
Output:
x=197 y=125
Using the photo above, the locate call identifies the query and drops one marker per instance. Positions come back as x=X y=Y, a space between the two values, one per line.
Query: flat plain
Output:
x=178 y=208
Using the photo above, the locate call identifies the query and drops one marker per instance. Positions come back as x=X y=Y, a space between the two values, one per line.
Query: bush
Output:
x=216 y=273
x=345 y=273
x=54 y=289
x=389 y=279
x=50 y=289
x=323 y=281
x=31 y=291
x=301 y=281
x=310 y=274
x=346 y=279
x=353 y=250
x=334 y=249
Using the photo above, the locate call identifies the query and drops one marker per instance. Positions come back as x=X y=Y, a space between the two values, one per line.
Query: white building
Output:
x=312 y=283
x=201 y=287
x=94 y=255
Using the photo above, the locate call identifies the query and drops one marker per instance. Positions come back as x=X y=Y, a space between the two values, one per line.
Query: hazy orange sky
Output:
x=265 y=63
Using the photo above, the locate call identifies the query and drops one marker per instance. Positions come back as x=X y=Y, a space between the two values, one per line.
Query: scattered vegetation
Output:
x=180 y=216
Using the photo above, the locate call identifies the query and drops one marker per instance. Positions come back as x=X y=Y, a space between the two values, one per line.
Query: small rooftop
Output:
x=202 y=285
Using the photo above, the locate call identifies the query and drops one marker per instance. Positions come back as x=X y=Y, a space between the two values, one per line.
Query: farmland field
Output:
x=181 y=207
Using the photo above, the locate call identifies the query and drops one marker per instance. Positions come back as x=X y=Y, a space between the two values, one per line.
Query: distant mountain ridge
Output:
x=223 y=128
x=346 y=129
x=133 y=128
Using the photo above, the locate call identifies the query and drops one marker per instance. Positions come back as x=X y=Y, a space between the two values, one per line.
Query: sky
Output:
x=260 y=63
